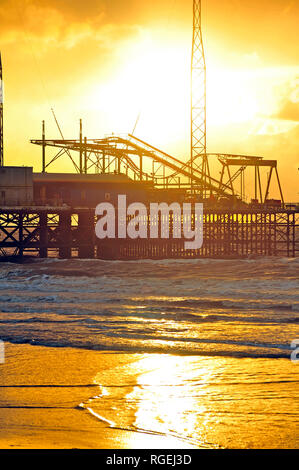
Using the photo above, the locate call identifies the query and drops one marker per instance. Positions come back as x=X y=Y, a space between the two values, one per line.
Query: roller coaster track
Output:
x=126 y=148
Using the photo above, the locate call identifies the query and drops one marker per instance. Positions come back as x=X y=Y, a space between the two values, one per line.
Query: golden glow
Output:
x=110 y=65
x=164 y=406
x=207 y=402
x=166 y=401
x=231 y=97
x=150 y=86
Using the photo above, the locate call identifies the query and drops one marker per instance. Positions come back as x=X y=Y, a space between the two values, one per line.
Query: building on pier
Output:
x=16 y=186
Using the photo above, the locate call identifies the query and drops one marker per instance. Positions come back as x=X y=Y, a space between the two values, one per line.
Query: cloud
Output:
x=288 y=105
x=283 y=148
x=65 y=23
x=289 y=112
x=289 y=7
x=43 y=21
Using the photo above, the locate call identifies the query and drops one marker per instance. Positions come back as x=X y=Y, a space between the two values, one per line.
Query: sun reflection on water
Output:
x=164 y=400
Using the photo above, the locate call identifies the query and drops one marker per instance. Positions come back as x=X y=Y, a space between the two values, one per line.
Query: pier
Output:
x=70 y=233
x=52 y=214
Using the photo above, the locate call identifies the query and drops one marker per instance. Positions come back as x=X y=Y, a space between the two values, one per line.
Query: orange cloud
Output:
x=65 y=23
x=64 y=53
x=289 y=112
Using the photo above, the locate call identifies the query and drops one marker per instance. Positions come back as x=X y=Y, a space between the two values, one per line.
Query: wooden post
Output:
x=81 y=150
x=43 y=148
x=21 y=244
x=85 y=155
x=65 y=235
x=43 y=235
x=86 y=235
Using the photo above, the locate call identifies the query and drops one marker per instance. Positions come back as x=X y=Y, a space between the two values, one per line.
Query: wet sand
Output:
x=40 y=390
x=60 y=398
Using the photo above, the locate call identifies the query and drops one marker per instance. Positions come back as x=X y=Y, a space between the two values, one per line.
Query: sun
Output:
x=150 y=90
x=231 y=96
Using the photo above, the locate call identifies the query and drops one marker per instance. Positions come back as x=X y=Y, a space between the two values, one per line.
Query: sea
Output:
x=215 y=341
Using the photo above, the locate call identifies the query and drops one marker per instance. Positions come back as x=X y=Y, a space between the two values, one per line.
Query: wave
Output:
x=181 y=309
x=243 y=308
x=259 y=351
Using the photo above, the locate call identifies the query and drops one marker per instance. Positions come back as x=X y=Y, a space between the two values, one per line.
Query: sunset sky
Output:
x=109 y=61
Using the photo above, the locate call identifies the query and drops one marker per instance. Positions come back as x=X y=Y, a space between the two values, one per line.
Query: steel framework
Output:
x=198 y=98
x=144 y=162
x=141 y=161
x=68 y=233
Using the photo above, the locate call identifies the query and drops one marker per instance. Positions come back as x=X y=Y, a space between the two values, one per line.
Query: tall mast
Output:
x=1 y=114
x=198 y=95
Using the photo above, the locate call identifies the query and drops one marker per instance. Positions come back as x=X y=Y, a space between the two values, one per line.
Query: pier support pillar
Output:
x=43 y=235
x=86 y=231
x=108 y=249
x=65 y=235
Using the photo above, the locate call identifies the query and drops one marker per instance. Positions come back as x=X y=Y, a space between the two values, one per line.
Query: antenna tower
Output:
x=198 y=99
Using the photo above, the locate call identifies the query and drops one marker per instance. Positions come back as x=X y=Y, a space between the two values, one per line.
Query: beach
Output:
x=41 y=393
x=149 y=355
x=54 y=398
x=41 y=389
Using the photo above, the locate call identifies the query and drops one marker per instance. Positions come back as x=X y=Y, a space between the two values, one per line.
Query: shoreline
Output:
x=40 y=406
x=68 y=398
